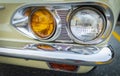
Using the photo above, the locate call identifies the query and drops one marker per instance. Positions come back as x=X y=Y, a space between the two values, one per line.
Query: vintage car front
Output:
x=61 y=35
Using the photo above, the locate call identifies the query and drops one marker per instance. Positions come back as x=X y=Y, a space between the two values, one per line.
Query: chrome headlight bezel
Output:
x=69 y=7
x=25 y=27
x=106 y=27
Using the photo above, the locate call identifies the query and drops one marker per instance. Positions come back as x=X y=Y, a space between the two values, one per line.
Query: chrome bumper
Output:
x=104 y=56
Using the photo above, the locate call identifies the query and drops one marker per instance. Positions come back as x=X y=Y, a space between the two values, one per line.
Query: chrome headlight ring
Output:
x=22 y=23
x=107 y=24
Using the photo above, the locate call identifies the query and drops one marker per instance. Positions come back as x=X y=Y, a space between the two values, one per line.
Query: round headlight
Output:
x=86 y=24
x=42 y=23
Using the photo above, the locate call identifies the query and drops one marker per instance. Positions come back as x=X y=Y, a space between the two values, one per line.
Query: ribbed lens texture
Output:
x=86 y=24
x=42 y=23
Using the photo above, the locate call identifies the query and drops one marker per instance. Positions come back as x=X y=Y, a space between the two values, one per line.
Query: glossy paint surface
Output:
x=9 y=34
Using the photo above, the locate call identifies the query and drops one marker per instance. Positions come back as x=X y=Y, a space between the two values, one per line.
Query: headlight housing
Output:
x=41 y=23
x=86 y=24
x=97 y=29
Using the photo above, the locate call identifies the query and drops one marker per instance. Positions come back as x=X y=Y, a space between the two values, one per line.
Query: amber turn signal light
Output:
x=64 y=67
x=45 y=47
x=42 y=23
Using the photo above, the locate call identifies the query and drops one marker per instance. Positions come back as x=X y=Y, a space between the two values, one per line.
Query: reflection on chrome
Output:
x=104 y=56
x=21 y=22
x=19 y=16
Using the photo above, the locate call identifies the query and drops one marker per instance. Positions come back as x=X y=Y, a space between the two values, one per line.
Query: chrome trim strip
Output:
x=104 y=56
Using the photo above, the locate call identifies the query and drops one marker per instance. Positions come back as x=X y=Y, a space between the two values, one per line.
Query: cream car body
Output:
x=13 y=39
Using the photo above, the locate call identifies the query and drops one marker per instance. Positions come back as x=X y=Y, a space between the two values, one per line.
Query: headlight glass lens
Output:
x=42 y=23
x=86 y=24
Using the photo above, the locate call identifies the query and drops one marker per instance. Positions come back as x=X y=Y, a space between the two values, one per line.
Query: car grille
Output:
x=64 y=33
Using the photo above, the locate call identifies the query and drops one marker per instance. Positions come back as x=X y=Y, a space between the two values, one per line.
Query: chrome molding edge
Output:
x=104 y=56
x=69 y=6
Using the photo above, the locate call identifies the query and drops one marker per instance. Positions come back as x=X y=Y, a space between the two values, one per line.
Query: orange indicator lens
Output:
x=42 y=23
x=45 y=47
x=65 y=67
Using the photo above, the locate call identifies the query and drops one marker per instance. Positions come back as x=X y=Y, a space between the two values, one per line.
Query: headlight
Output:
x=42 y=23
x=86 y=24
